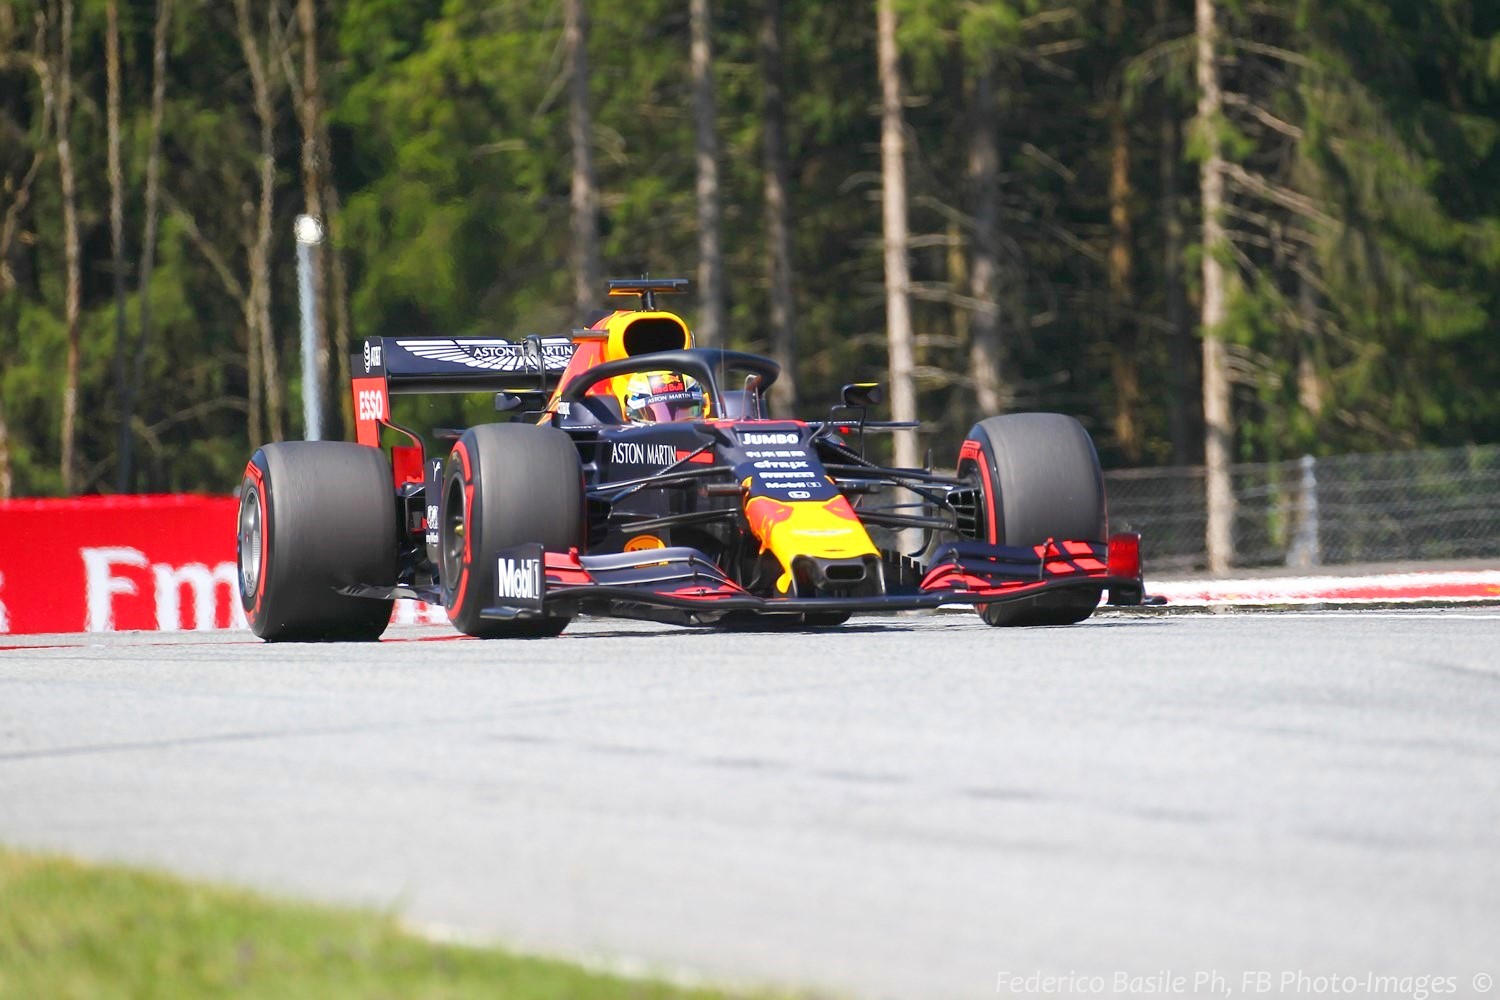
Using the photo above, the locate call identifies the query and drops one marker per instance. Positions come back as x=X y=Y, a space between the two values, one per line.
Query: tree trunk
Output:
x=260 y=248
x=956 y=250
x=116 y=218
x=585 y=195
x=1218 y=431
x=1311 y=392
x=255 y=412
x=148 y=239
x=706 y=147
x=1120 y=264
x=1124 y=342
x=311 y=118
x=11 y=321
x=71 y=251
x=6 y=483
x=778 y=210
x=893 y=211
x=11 y=222
x=985 y=347
x=41 y=64
x=236 y=289
x=1179 y=333
x=340 y=296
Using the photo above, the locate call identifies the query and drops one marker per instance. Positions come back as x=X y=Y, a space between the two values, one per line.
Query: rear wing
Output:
x=464 y=364
x=417 y=365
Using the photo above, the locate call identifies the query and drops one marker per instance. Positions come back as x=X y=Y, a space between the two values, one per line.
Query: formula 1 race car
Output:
x=643 y=483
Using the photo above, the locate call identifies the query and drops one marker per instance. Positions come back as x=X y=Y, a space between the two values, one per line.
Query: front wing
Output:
x=688 y=586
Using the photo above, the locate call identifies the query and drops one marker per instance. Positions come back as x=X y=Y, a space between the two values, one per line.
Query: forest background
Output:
x=1214 y=230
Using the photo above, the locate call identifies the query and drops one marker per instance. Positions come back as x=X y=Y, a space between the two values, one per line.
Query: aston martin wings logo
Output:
x=493 y=355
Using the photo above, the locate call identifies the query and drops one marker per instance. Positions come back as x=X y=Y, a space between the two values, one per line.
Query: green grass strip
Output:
x=72 y=930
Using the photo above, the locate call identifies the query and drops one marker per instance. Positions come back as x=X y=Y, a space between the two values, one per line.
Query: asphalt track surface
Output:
x=903 y=807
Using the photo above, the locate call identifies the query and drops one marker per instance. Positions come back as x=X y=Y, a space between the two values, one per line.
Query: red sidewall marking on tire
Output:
x=265 y=538
x=975 y=450
x=463 y=573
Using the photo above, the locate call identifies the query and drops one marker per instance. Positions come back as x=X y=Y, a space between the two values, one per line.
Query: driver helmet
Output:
x=662 y=397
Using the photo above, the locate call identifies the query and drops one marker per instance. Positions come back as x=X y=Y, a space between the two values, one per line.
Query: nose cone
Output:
x=828 y=532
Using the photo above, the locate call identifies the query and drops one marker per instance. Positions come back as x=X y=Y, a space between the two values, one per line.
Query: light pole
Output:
x=309 y=236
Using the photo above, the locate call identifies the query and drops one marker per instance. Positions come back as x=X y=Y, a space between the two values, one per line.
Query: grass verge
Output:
x=74 y=930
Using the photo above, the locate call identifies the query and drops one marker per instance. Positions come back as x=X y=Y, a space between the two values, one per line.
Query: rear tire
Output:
x=1039 y=478
x=316 y=516
x=505 y=485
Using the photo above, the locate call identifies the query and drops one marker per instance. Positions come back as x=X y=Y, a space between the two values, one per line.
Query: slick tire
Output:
x=316 y=516
x=505 y=485
x=1039 y=478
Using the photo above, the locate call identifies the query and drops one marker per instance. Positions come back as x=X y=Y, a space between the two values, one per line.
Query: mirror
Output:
x=863 y=394
x=752 y=396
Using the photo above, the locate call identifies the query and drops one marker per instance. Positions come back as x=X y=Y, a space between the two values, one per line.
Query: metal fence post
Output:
x=309 y=235
x=1306 y=547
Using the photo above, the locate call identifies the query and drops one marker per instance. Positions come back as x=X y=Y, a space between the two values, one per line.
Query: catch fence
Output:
x=1418 y=505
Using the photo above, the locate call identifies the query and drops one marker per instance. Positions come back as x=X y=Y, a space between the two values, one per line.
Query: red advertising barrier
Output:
x=101 y=564
x=98 y=564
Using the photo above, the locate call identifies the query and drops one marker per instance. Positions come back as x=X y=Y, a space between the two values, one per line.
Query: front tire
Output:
x=1039 y=478
x=505 y=485
x=316 y=516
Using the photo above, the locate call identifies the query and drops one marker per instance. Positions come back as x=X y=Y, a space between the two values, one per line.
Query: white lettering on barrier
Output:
x=205 y=584
x=4 y=617
x=101 y=585
x=208 y=586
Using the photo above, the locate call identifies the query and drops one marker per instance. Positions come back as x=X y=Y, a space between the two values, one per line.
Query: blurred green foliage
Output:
x=1365 y=211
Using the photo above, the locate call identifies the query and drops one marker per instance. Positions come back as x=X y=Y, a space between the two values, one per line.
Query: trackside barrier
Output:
x=167 y=563
x=1413 y=506
x=102 y=564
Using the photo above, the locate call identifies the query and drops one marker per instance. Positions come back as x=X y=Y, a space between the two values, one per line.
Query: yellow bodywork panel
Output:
x=827 y=529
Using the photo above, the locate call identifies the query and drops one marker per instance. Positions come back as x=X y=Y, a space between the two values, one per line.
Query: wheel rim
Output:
x=452 y=533
x=249 y=540
x=968 y=504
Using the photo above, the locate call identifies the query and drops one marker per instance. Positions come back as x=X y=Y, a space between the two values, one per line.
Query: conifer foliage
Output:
x=1305 y=252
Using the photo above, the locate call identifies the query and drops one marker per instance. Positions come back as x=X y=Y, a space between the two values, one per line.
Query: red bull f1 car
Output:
x=644 y=477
